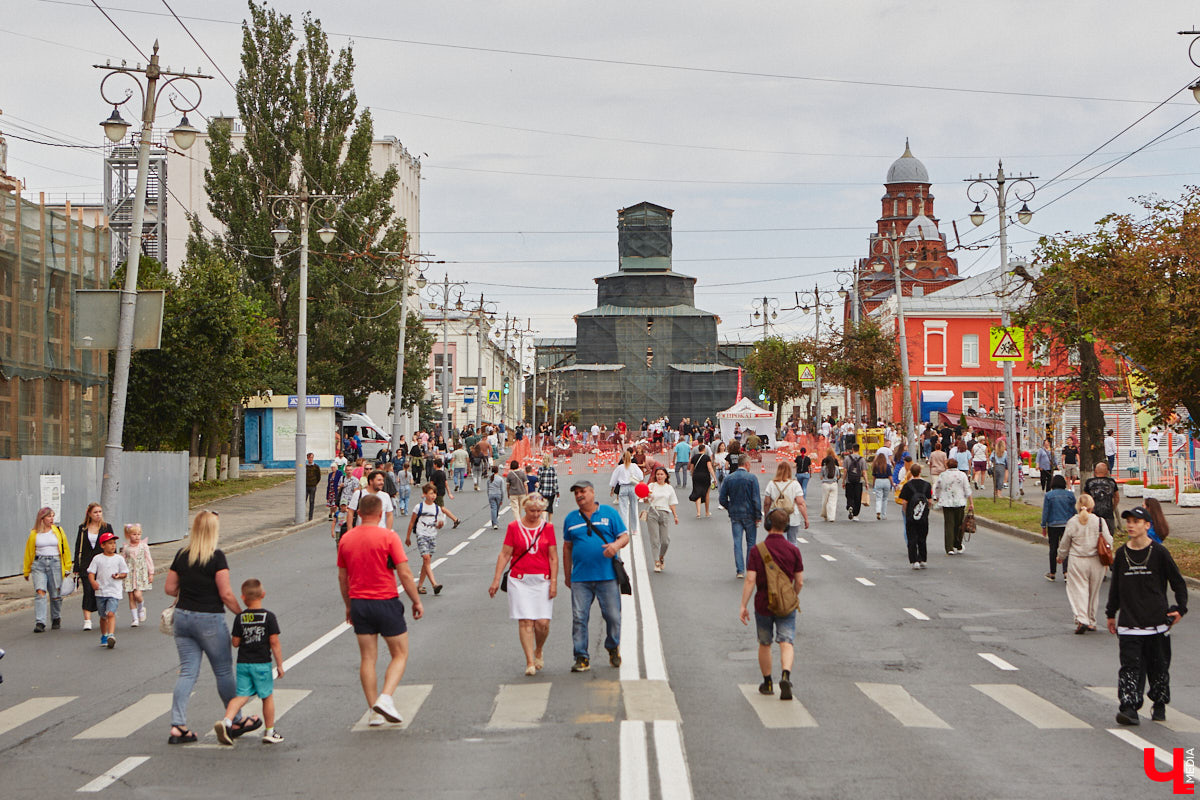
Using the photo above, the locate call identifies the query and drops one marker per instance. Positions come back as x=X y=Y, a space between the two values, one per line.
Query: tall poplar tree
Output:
x=304 y=132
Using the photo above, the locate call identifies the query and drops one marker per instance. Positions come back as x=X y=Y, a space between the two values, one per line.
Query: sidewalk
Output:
x=246 y=521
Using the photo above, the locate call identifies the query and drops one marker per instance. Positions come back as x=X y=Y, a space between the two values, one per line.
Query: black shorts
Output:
x=383 y=617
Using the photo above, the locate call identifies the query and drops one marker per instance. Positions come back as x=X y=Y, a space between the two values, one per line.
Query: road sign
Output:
x=1007 y=344
x=807 y=372
x=494 y=396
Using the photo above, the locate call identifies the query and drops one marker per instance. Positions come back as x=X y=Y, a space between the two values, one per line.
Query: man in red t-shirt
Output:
x=367 y=554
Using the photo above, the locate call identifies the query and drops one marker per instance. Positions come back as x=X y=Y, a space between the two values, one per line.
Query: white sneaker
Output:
x=387 y=707
x=959 y=551
x=134 y=624
x=375 y=720
x=916 y=565
x=87 y=624
x=142 y=613
x=922 y=563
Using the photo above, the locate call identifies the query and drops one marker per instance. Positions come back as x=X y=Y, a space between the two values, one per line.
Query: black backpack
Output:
x=854 y=470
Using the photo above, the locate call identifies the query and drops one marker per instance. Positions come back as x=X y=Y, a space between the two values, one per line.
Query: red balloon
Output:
x=641 y=490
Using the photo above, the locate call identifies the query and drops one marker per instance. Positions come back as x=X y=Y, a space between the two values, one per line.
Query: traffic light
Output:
x=506 y=385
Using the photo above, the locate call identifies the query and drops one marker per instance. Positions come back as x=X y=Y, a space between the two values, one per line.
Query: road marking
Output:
x=656 y=665
x=408 y=702
x=865 y=582
x=316 y=645
x=1162 y=756
x=130 y=719
x=997 y=661
x=457 y=549
x=828 y=557
x=896 y=700
x=630 y=630
x=674 y=781
x=918 y=614
x=29 y=710
x=801 y=540
x=113 y=775
x=635 y=763
x=519 y=705
x=1033 y=709
x=1175 y=721
x=649 y=701
x=776 y=713
x=285 y=701
x=437 y=562
x=477 y=533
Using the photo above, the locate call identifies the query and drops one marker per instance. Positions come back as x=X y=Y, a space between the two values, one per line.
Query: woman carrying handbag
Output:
x=1089 y=543
x=530 y=553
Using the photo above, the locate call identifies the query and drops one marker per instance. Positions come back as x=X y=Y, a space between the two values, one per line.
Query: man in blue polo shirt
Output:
x=592 y=536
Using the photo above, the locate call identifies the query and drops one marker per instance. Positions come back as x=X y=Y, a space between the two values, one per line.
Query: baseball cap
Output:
x=106 y=537
x=1140 y=512
x=582 y=485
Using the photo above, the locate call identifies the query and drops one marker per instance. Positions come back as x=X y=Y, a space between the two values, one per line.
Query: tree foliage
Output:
x=772 y=367
x=863 y=358
x=304 y=133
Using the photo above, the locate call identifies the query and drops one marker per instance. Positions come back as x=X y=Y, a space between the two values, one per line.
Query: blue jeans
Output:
x=46 y=574
x=927 y=448
x=495 y=502
x=802 y=479
x=198 y=633
x=748 y=529
x=405 y=492
x=460 y=475
x=627 y=502
x=609 y=596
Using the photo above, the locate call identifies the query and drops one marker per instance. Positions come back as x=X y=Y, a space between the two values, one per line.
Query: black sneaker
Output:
x=1128 y=716
x=1159 y=712
x=580 y=665
x=766 y=687
x=39 y=627
x=614 y=656
x=785 y=689
x=55 y=624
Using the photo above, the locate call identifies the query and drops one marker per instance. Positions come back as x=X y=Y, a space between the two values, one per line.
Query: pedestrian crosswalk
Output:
x=526 y=705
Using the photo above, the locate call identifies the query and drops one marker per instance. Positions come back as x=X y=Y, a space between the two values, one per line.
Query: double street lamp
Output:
x=886 y=249
x=409 y=264
x=283 y=207
x=765 y=309
x=439 y=297
x=816 y=300
x=483 y=310
x=115 y=128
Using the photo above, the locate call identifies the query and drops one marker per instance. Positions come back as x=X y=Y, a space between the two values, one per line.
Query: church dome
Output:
x=923 y=228
x=907 y=169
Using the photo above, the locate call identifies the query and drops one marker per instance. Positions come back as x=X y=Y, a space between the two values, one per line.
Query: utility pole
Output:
x=482 y=310
x=407 y=261
x=891 y=252
x=768 y=309
x=441 y=294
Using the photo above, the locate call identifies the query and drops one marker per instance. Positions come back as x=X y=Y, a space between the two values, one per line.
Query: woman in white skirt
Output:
x=531 y=553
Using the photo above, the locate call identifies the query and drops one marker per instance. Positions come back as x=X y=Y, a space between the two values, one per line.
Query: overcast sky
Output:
x=775 y=177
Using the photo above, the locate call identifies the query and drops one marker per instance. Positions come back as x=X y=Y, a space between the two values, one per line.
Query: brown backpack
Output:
x=781 y=590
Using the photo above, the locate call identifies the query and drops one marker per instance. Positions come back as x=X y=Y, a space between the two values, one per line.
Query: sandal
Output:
x=185 y=736
x=421 y=590
x=437 y=588
x=246 y=725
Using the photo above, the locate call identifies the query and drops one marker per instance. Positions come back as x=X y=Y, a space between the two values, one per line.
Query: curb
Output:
x=20 y=604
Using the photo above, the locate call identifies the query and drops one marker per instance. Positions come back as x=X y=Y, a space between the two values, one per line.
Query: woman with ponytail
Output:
x=1085 y=573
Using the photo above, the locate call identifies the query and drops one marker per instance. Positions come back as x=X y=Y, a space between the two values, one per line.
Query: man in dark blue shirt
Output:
x=741 y=498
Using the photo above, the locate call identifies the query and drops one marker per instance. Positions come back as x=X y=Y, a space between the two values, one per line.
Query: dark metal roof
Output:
x=646 y=311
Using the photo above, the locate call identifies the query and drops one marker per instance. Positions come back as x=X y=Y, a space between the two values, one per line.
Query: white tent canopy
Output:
x=750 y=417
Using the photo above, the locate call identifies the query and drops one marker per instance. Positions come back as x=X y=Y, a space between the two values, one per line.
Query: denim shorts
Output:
x=107 y=605
x=383 y=617
x=784 y=628
x=255 y=679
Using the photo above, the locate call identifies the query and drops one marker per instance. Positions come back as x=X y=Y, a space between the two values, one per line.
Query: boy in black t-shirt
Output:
x=256 y=637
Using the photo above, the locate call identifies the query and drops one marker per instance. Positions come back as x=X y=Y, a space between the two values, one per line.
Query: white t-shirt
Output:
x=388 y=508
x=595 y=431
x=103 y=567
x=826 y=428
x=663 y=496
x=790 y=491
x=979 y=452
x=338 y=462
x=46 y=544
x=428 y=515
x=887 y=452
x=1110 y=446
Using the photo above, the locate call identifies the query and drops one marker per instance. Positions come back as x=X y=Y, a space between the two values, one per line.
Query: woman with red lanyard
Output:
x=531 y=553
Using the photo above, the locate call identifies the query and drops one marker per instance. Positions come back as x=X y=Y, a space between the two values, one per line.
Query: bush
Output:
x=1192 y=490
x=1158 y=486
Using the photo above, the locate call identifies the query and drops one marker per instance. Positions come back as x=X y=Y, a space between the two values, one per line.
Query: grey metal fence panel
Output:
x=154 y=493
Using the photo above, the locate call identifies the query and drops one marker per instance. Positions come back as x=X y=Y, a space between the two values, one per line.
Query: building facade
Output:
x=476 y=364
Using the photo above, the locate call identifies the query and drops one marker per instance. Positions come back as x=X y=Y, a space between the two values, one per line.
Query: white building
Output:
x=476 y=364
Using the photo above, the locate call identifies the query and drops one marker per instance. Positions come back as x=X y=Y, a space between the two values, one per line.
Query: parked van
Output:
x=372 y=436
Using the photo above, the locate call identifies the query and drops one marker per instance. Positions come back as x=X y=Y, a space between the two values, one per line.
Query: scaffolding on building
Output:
x=120 y=183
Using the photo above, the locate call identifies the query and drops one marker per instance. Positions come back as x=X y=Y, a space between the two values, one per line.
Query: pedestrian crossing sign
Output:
x=807 y=372
x=494 y=396
x=1008 y=344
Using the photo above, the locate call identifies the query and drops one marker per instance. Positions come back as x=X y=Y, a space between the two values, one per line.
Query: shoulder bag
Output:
x=166 y=620
x=512 y=562
x=618 y=565
x=1104 y=550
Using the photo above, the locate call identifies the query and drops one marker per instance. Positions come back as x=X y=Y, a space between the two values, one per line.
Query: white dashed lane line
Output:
x=997 y=662
x=457 y=548
x=828 y=557
x=917 y=613
x=865 y=582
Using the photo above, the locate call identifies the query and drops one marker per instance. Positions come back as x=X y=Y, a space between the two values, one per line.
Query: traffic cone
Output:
x=569 y=470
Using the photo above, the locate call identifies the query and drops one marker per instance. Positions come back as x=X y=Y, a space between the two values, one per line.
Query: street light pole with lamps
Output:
x=284 y=206
x=1023 y=189
x=482 y=310
x=816 y=300
x=115 y=129
x=768 y=309
x=890 y=253
x=407 y=261
x=442 y=290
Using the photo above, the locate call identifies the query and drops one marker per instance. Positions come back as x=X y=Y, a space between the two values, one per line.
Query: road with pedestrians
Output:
x=962 y=680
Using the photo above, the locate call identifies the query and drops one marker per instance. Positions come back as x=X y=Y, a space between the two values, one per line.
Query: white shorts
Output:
x=529 y=597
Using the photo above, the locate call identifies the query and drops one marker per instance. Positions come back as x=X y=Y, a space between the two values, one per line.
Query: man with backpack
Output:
x=855 y=467
x=914 y=499
x=775 y=569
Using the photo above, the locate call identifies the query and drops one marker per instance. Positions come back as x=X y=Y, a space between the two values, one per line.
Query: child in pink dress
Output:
x=140 y=577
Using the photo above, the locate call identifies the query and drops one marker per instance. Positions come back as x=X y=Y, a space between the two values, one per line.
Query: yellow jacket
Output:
x=64 y=551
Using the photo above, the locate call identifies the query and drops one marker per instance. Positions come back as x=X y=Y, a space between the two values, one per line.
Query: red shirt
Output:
x=785 y=555
x=520 y=538
x=364 y=551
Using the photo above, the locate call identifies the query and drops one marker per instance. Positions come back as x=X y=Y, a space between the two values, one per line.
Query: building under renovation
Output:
x=645 y=350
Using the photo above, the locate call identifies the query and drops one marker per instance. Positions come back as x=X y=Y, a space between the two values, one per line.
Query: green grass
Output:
x=207 y=491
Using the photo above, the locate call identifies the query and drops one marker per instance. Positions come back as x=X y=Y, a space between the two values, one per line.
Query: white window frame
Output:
x=935 y=328
x=968 y=337
x=970 y=400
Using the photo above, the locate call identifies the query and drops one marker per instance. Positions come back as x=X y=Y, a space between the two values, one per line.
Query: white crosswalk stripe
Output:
x=1175 y=721
x=130 y=719
x=776 y=713
x=1030 y=707
x=29 y=710
x=408 y=702
x=519 y=705
x=896 y=700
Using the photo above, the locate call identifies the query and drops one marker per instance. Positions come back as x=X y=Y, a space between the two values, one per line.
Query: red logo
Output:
x=1180 y=777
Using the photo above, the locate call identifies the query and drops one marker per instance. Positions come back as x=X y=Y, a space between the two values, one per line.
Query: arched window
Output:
x=908 y=204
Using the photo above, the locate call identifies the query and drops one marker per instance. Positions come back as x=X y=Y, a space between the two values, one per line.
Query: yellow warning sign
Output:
x=1008 y=344
x=808 y=372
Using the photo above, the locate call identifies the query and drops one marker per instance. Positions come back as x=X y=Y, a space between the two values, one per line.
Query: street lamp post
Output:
x=891 y=253
x=1023 y=189
x=284 y=206
x=408 y=261
x=816 y=299
x=443 y=290
x=115 y=128
x=768 y=309
x=482 y=310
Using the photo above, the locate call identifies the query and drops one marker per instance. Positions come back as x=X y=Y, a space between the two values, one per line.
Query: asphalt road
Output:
x=889 y=704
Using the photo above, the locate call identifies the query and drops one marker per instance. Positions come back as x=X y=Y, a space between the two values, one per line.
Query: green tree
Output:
x=772 y=367
x=863 y=358
x=303 y=132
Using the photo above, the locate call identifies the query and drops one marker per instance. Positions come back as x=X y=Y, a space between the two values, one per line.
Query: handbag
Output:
x=68 y=586
x=968 y=524
x=1104 y=551
x=619 y=572
x=166 y=620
